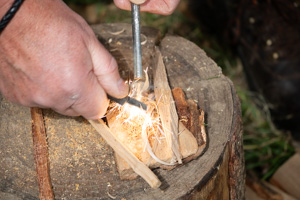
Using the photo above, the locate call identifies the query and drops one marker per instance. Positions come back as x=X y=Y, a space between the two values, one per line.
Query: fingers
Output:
x=85 y=97
x=92 y=103
x=106 y=70
x=162 y=7
x=91 y=99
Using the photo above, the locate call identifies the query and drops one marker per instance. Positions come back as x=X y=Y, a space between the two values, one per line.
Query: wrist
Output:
x=10 y=13
x=4 y=6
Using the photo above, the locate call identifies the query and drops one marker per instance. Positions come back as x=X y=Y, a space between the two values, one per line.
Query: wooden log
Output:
x=82 y=164
x=264 y=190
x=250 y=194
x=287 y=177
x=282 y=193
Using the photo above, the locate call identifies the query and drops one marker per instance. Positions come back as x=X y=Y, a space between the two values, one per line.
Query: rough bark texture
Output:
x=40 y=149
x=82 y=165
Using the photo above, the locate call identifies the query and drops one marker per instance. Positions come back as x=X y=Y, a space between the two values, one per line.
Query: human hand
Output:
x=162 y=7
x=50 y=58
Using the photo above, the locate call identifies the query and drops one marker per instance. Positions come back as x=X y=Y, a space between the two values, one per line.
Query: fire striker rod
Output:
x=136 y=33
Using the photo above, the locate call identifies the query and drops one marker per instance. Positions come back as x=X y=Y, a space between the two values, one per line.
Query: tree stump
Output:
x=82 y=165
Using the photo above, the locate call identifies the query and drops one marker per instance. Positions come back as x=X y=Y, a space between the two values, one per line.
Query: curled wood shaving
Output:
x=145 y=41
x=118 y=32
x=111 y=196
x=146 y=84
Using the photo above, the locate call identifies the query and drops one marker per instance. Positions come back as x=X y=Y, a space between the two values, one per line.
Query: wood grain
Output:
x=166 y=107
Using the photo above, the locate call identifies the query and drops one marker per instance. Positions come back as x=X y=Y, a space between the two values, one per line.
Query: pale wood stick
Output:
x=40 y=150
x=137 y=166
x=166 y=106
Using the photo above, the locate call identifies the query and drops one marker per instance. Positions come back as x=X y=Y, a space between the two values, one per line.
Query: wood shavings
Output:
x=111 y=196
x=145 y=40
x=138 y=131
x=118 y=32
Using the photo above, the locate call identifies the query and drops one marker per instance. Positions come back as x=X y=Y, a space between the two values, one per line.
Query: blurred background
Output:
x=257 y=44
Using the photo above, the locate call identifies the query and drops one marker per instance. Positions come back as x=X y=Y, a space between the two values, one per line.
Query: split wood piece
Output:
x=139 y=167
x=182 y=107
x=287 y=177
x=265 y=190
x=251 y=194
x=41 y=154
x=261 y=189
x=166 y=106
x=187 y=142
x=188 y=148
x=131 y=137
x=190 y=115
x=283 y=194
x=193 y=119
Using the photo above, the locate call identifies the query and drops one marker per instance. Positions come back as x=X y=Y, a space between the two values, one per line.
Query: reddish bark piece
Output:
x=40 y=149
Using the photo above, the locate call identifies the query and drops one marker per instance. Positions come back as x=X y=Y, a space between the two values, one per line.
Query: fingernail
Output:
x=123 y=87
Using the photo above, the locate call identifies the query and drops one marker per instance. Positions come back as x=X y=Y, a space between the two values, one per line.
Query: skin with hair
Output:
x=51 y=58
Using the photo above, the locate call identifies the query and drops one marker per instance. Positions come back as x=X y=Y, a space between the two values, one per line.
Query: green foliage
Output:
x=266 y=148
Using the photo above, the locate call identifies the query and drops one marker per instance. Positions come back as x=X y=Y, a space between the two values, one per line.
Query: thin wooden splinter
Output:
x=139 y=167
x=166 y=107
x=41 y=154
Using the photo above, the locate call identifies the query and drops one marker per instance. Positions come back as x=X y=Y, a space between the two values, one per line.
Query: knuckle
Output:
x=112 y=66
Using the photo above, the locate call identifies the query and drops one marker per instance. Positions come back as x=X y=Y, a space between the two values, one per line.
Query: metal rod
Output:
x=136 y=33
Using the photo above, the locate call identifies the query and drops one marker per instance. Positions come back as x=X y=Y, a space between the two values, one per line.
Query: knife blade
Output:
x=129 y=100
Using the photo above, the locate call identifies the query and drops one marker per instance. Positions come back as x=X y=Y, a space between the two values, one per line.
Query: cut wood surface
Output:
x=82 y=164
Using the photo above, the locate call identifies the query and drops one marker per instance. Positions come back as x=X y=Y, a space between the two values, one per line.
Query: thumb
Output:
x=106 y=70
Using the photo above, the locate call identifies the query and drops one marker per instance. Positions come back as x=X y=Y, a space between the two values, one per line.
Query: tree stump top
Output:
x=82 y=165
